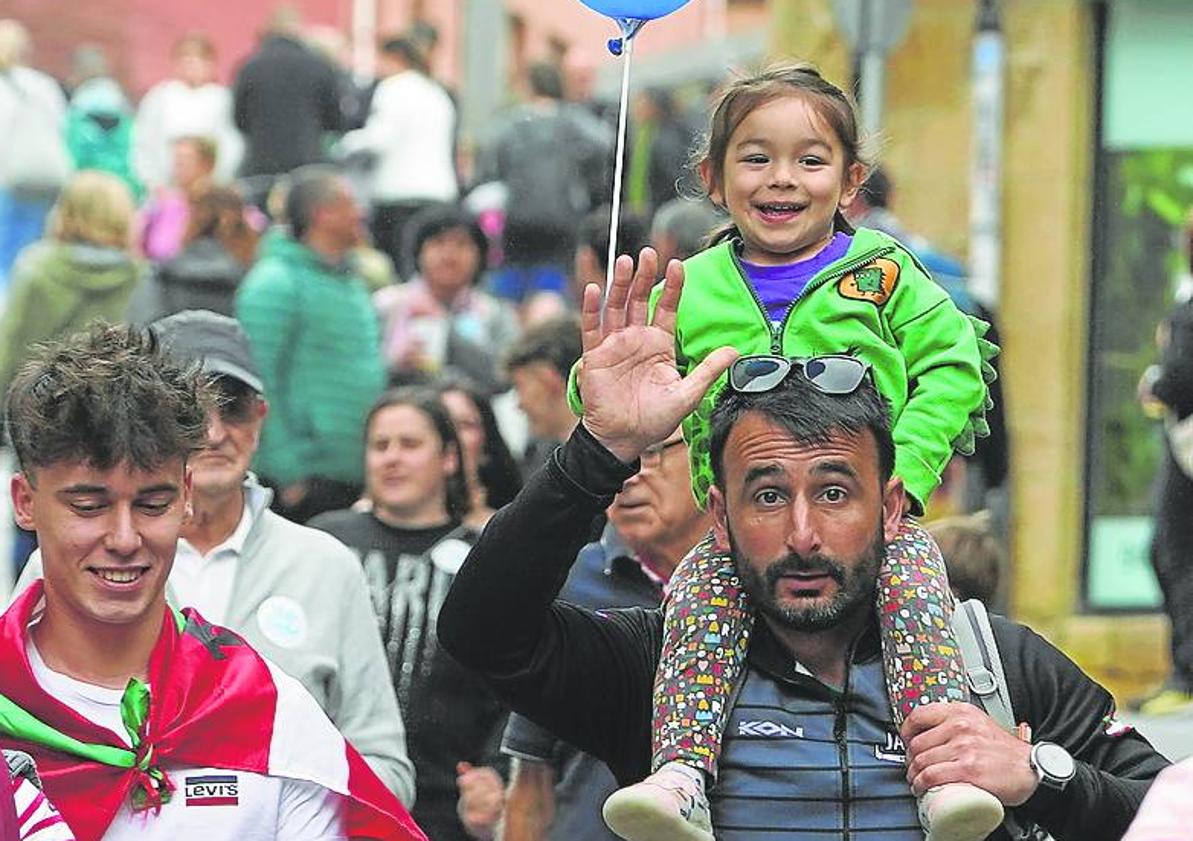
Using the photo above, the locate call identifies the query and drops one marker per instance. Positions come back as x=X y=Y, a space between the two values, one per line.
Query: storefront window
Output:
x=1146 y=192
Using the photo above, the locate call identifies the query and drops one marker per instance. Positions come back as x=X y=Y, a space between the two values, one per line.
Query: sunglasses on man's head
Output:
x=834 y=374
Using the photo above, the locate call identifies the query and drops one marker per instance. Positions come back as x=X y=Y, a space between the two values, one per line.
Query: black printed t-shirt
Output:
x=450 y=715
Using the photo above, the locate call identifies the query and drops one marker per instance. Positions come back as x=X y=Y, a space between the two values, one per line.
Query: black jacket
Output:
x=588 y=677
x=203 y=277
x=285 y=98
x=1175 y=386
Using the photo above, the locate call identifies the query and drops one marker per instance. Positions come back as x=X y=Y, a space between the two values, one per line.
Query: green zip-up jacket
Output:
x=315 y=339
x=877 y=303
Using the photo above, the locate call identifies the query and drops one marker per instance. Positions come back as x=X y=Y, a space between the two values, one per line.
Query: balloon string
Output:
x=619 y=163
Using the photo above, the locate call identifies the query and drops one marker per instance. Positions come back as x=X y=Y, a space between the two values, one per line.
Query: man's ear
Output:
x=894 y=507
x=720 y=517
x=558 y=382
x=22 y=501
x=188 y=498
x=451 y=460
x=260 y=412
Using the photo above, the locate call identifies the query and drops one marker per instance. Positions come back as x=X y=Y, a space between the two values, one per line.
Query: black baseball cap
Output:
x=216 y=341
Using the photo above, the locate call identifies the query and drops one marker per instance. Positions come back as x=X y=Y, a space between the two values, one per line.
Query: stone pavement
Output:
x=1172 y=735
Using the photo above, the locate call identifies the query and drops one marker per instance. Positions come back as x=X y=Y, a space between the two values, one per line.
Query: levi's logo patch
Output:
x=213 y=790
x=874 y=282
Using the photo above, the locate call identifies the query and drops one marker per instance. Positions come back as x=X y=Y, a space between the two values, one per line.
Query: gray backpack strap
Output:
x=983 y=665
x=988 y=683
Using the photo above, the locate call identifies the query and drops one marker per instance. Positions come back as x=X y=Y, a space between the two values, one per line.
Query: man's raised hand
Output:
x=633 y=394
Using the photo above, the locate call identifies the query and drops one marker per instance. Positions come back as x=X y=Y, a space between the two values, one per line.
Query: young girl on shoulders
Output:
x=791 y=283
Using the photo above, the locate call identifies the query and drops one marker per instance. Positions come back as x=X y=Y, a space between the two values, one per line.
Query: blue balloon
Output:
x=634 y=9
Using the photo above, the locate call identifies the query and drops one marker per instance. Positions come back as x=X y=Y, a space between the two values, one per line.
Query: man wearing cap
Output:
x=296 y=594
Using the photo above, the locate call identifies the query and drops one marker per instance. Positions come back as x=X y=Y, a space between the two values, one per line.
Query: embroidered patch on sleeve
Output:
x=874 y=282
x=1114 y=728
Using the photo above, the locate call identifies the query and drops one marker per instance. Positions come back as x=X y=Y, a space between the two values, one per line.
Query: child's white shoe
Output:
x=959 y=812
x=669 y=805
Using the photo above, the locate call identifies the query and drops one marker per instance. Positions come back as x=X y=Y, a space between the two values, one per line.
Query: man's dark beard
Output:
x=855 y=589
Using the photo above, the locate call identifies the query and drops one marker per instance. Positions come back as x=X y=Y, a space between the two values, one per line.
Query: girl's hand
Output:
x=633 y=393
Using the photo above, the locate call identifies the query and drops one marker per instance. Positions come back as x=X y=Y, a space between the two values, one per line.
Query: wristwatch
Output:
x=1053 y=765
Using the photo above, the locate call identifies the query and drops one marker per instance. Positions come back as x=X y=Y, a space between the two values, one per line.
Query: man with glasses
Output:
x=296 y=594
x=804 y=501
x=555 y=791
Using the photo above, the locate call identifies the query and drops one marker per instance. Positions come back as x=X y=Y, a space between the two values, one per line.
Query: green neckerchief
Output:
x=134 y=712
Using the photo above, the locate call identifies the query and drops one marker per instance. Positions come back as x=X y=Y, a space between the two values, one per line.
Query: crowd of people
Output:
x=350 y=504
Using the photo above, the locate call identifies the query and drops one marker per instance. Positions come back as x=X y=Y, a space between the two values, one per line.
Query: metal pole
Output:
x=483 y=48
x=716 y=20
x=985 y=206
x=871 y=67
x=364 y=34
x=873 y=90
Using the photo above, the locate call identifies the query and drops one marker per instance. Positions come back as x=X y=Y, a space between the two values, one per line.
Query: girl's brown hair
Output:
x=737 y=99
x=220 y=213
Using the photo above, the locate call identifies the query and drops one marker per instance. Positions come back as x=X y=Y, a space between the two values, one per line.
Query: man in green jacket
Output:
x=315 y=339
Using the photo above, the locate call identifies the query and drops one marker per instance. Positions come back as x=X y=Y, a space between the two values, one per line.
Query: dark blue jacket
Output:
x=588 y=677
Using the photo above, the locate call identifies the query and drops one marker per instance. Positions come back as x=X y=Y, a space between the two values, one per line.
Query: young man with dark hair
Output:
x=803 y=503
x=148 y=722
x=296 y=594
x=538 y=364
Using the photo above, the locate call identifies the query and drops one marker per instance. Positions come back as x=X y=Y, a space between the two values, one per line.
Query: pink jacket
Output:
x=1167 y=811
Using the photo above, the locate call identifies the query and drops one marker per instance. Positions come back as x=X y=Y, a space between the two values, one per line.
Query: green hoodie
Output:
x=878 y=303
x=59 y=288
x=316 y=342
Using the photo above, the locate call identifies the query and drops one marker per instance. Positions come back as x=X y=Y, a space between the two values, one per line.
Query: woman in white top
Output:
x=192 y=104
x=34 y=163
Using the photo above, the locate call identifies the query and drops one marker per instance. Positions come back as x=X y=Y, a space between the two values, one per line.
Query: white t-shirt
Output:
x=204 y=582
x=173 y=109
x=209 y=804
x=410 y=128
